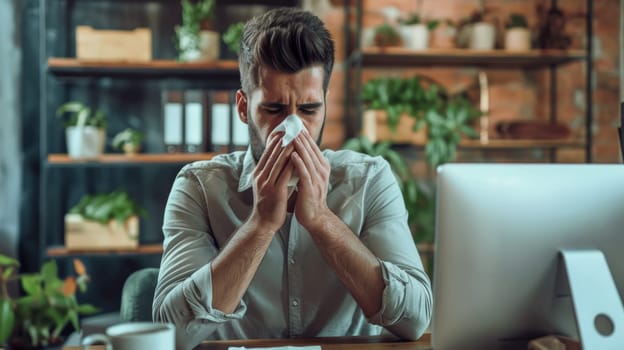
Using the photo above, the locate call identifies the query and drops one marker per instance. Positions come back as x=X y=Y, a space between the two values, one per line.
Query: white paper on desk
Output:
x=310 y=347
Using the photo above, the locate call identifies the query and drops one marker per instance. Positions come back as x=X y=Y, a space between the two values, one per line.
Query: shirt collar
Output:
x=246 y=177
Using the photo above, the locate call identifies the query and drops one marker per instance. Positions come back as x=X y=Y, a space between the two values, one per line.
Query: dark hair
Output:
x=286 y=40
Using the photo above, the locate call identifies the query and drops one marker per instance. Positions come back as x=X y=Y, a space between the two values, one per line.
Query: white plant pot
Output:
x=415 y=36
x=517 y=39
x=207 y=46
x=85 y=141
x=367 y=37
x=482 y=36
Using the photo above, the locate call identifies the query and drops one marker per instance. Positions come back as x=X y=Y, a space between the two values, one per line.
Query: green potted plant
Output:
x=517 y=34
x=415 y=31
x=385 y=35
x=232 y=36
x=396 y=108
x=103 y=221
x=196 y=39
x=38 y=318
x=128 y=140
x=476 y=31
x=85 y=129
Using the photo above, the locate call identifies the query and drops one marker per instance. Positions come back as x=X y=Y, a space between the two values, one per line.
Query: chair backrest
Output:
x=137 y=295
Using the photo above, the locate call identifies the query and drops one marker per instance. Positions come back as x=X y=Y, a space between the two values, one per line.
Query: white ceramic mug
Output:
x=134 y=336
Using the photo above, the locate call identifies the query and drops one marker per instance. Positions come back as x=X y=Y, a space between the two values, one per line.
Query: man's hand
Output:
x=271 y=176
x=313 y=169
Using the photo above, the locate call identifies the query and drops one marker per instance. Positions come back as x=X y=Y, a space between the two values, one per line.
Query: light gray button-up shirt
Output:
x=294 y=293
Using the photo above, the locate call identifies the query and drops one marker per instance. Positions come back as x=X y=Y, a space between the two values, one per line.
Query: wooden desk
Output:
x=334 y=343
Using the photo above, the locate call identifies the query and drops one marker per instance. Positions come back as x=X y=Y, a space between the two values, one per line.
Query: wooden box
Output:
x=116 y=45
x=375 y=128
x=90 y=235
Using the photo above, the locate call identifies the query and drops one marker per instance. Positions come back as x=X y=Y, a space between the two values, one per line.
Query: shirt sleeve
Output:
x=407 y=298
x=183 y=293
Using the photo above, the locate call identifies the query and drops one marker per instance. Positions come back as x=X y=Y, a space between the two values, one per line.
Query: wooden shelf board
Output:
x=221 y=70
x=515 y=144
x=375 y=56
x=65 y=62
x=146 y=249
x=519 y=143
x=131 y=159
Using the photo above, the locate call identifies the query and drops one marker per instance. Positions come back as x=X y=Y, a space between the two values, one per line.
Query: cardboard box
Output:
x=91 y=235
x=121 y=45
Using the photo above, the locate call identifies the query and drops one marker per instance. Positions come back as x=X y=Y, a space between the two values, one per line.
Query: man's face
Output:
x=279 y=95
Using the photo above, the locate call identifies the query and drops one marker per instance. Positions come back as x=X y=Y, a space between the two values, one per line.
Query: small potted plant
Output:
x=415 y=31
x=396 y=107
x=517 y=35
x=38 y=318
x=103 y=221
x=85 y=129
x=476 y=32
x=232 y=36
x=196 y=39
x=386 y=35
x=128 y=140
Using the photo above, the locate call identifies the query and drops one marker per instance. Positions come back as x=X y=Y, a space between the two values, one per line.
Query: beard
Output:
x=255 y=141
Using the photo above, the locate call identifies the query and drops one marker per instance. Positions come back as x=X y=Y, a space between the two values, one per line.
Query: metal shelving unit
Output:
x=396 y=57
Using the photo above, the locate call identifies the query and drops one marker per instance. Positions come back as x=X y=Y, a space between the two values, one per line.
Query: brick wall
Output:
x=515 y=93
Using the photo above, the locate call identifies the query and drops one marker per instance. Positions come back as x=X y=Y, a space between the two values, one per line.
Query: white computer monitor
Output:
x=498 y=275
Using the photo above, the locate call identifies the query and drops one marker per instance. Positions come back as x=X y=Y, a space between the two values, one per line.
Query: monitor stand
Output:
x=597 y=304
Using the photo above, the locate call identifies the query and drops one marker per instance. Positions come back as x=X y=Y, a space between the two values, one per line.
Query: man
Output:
x=247 y=257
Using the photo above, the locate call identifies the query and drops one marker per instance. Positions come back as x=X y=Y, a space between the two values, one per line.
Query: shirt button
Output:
x=291 y=261
x=295 y=302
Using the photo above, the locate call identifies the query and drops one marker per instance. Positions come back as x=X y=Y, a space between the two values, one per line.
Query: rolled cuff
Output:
x=393 y=297
x=198 y=294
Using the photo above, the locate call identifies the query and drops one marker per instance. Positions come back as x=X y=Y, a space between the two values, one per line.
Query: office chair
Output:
x=137 y=295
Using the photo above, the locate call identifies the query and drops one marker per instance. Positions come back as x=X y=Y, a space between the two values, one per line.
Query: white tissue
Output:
x=291 y=126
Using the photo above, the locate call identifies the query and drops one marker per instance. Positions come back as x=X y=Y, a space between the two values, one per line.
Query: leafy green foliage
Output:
x=414 y=18
x=128 y=136
x=232 y=36
x=446 y=127
x=108 y=206
x=386 y=35
x=48 y=305
x=516 y=20
x=447 y=118
x=396 y=96
x=193 y=14
x=76 y=113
